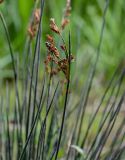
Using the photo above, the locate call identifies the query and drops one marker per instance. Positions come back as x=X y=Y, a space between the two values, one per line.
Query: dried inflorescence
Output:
x=33 y=27
x=51 y=46
x=54 y=55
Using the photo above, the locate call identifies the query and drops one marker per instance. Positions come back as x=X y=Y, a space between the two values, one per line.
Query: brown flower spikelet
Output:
x=51 y=46
x=37 y=16
x=64 y=23
x=32 y=29
x=53 y=26
x=50 y=38
x=63 y=47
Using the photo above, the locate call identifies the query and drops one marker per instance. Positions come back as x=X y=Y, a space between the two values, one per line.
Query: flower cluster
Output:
x=33 y=28
x=54 y=55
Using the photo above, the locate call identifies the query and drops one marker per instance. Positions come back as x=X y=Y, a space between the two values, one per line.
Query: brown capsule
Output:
x=53 y=26
x=65 y=22
x=63 y=47
x=31 y=32
x=37 y=16
x=50 y=39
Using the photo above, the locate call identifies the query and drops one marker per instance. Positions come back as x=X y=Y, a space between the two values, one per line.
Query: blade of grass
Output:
x=33 y=125
x=33 y=65
x=92 y=72
x=40 y=140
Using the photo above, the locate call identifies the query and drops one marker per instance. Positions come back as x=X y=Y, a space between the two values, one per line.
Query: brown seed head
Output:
x=56 y=52
x=53 y=26
x=52 y=48
x=64 y=23
x=50 y=39
x=33 y=28
x=63 y=47
x=31 y=32
x=48 y=59
x=37 y=16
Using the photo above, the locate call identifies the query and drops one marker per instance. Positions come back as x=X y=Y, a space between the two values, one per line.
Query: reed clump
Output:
x=49 y=119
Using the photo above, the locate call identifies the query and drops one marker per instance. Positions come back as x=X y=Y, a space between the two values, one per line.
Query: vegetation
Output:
x=62 y=95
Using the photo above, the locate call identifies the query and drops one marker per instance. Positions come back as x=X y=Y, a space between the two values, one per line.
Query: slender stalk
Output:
x=65 y=104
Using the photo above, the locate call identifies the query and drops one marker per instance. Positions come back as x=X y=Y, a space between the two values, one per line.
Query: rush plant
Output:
x=51 y=115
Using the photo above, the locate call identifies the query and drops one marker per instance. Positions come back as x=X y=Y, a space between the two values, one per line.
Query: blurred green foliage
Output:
x=85 y=26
